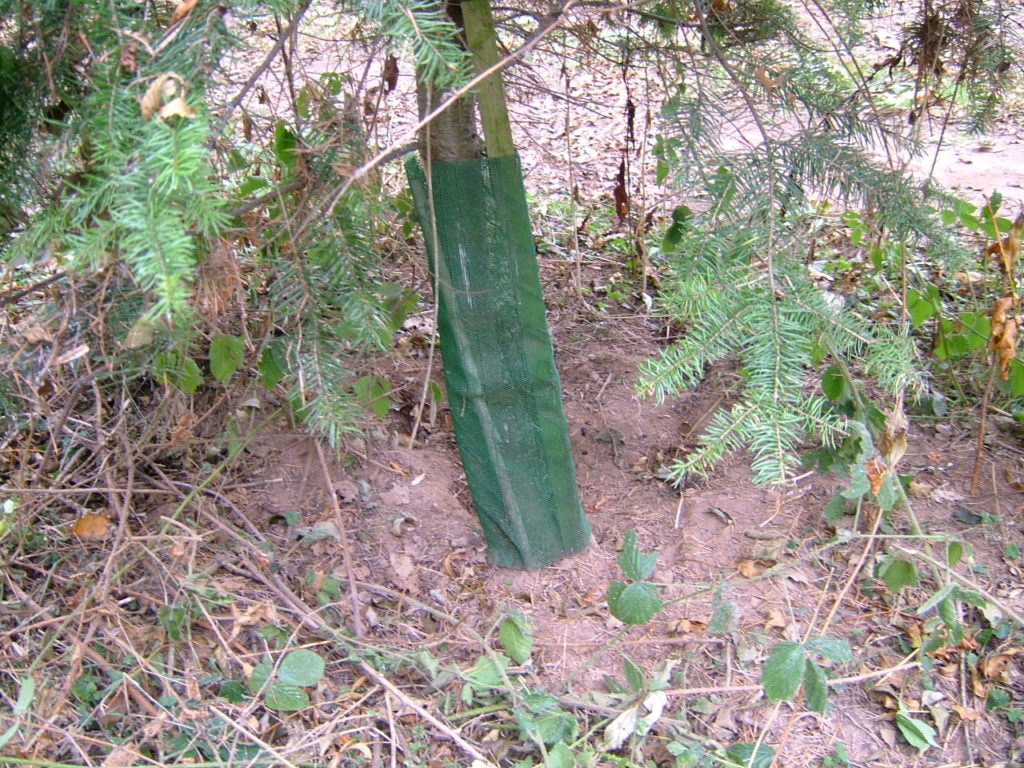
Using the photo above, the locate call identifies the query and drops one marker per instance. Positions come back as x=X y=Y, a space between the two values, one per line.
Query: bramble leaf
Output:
x=516 y=635
x=633 y=604
x=815 y=688
x=635 y=564
x=301 y=667
x=897 y=573
x=282 y=697
x=226 y=355
x=784 y=670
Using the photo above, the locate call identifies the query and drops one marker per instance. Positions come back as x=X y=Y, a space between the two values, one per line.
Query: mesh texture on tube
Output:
x=499 y=366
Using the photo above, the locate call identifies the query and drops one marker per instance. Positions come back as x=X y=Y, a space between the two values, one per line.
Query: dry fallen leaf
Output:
x=766 y=80
x=91 y=526
x=122 y=755
x=920 y=490
x=993 y=667
x=595 y=594
x=184 y=9
x=164 y=87
x=946 y=495
x=404 y=571
x=940 y=716
x=893 y=443
x=950 y=670
x=1013 y=481
x=166 y=97
x=886 y=732
x=914 y=632
x=1003 y=337
x=687 y=627
x=177 y=107
x=36 y=334
x=887 y=695
x=971 y=278
x=999 y=311
x=1008 y=249
x=979 y=687
x=876 y=471
x=448 y=564
x=776 y=619
x=748 y=568
x=1004 y=344
x=967 y=714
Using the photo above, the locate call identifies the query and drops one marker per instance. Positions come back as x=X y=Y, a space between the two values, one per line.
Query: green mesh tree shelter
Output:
x=499 y=364
x=503 y=387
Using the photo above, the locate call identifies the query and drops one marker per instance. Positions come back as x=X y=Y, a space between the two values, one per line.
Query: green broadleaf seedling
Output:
x=634 y=603
x=273 y=364
x=918 y=733
x=789 y=666
x=516 y=633
x=750 y=755
x=283 y=691
x=722 y=617
x=374 y=393
x=897 y=573
x=226 y=355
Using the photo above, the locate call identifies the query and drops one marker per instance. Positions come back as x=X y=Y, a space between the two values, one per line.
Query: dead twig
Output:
x=864 y=676
x=346 y=549
x=423 y=712
x=312 y=619
x=267 y=60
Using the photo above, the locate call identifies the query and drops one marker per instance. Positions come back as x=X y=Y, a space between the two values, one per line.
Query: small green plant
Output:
x=918 y=733
x=963 y=330
x=516 y=633
x=26 y=694
x=792 y=664
x=283 y=688
x=374 y=394
x=486 y=677
x=227 y=353
x=175 y=621
x=637 y=601
x=176 y=368
x=543 y=721
x=838 y=758
x=647 y=698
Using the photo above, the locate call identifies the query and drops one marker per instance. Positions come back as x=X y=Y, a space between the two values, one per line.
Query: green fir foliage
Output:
x=429 y=32
x=107 y=197
x=114 y=186
x=768 y=132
